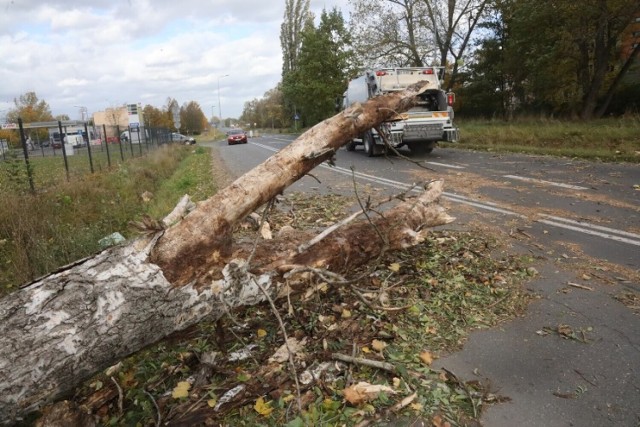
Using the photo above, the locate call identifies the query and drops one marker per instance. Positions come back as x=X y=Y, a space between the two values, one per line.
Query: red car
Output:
x=236 y=136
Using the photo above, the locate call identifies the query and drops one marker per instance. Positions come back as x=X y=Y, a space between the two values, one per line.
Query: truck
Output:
x=422 y=127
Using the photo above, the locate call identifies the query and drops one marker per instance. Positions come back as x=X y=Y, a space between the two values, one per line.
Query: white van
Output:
x=134 y=137
x=74 y=140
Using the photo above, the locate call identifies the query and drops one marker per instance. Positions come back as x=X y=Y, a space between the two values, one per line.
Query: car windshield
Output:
x=235 y=131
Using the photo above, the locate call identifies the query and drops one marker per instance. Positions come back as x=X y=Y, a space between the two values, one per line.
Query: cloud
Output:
x=101 y=53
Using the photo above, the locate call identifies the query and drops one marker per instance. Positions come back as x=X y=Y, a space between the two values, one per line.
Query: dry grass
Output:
x=614 y=139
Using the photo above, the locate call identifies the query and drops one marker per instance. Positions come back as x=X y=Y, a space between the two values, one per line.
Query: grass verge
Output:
x=612 y=139
x=64 y=221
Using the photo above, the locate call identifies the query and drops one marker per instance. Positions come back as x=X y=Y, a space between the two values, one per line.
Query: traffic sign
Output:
x=10 y=126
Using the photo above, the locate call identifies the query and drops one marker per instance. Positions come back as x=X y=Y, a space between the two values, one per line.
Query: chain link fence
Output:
x=75 y=148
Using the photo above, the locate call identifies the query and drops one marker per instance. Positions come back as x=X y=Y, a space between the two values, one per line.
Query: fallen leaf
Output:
x=378 y=345
x=396 y=382
x=262 y=408
x=565 y=330
x=346 y=314
x=211 y=403
x=416 y=407
x=426 y=358
x=364 y=392
x=181 y=390
x=395 y=267
x=366 y=349
x=262 y=333
x=282 y=354
x=438 y=421
x=265 y=231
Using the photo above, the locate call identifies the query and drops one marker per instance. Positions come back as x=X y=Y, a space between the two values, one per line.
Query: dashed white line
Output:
x=541 y=181
x=445 y=165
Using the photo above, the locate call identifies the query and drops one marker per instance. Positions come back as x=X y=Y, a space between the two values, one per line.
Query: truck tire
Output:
x=351 y=145
x=369 y=144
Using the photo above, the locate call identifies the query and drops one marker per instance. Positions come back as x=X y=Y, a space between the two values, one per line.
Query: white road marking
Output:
x=591 y=232
x=445 y=165
x=555 y=221
x=541 y=181
x=592 y=226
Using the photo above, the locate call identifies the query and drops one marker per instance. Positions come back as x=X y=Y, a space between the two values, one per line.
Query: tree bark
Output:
x=65 y=327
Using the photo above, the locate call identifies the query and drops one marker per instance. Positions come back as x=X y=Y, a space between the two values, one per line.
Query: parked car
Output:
x=236 y=136
x=178 y=137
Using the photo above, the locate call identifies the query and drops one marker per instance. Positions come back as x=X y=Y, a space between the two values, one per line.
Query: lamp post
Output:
x=219 y=104
x=83 y=110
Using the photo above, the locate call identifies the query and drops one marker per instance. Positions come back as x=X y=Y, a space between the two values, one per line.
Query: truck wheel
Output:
x=351 y=145
x=369 y=144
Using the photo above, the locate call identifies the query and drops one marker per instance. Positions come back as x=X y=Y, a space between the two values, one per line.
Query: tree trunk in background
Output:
x=69 y=325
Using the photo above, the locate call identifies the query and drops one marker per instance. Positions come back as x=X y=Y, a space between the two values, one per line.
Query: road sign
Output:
x=296 y=117
x=10 y=126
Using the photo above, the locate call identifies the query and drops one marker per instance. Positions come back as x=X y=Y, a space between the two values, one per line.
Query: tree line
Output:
x=504 y=58
x=32 y=109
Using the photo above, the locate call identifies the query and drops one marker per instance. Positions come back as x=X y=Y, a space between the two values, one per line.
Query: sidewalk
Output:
x=557 y=381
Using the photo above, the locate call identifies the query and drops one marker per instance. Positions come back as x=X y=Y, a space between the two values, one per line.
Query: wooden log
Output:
x=60 y=330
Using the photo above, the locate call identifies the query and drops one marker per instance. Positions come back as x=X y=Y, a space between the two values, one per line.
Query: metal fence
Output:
x=78 y=148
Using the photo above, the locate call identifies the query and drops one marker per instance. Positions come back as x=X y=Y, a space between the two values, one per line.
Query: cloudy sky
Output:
x=103 y=53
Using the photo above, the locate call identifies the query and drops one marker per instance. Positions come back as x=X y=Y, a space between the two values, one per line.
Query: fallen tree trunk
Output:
x=189 y=249
x=60 y=330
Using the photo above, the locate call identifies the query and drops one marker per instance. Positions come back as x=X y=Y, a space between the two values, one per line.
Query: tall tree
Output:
x=323 y=67
x=192 y=118
x=154 y=117
x=296 y=15
x=392 y=33
x=453 y=22
x=30 y=109
x=171 y=105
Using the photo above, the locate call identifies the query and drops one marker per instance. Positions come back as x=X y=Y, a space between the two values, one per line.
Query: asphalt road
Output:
x=580 y=221
x=558 y=201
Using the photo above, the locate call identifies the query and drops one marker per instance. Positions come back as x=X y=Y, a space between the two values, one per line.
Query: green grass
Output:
x=64 y=220
x=612 y=139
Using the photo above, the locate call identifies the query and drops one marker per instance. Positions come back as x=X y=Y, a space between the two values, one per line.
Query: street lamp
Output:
x=219 y=105
x=83 y=110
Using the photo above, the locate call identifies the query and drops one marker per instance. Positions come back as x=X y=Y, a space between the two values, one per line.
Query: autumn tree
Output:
x=266 y=112
x=193 y=119
x=453 y=23
x=392 y=33
x=170 y=106
x=30 y=109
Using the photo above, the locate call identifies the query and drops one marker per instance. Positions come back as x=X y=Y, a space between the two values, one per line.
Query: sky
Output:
x=97 y=54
